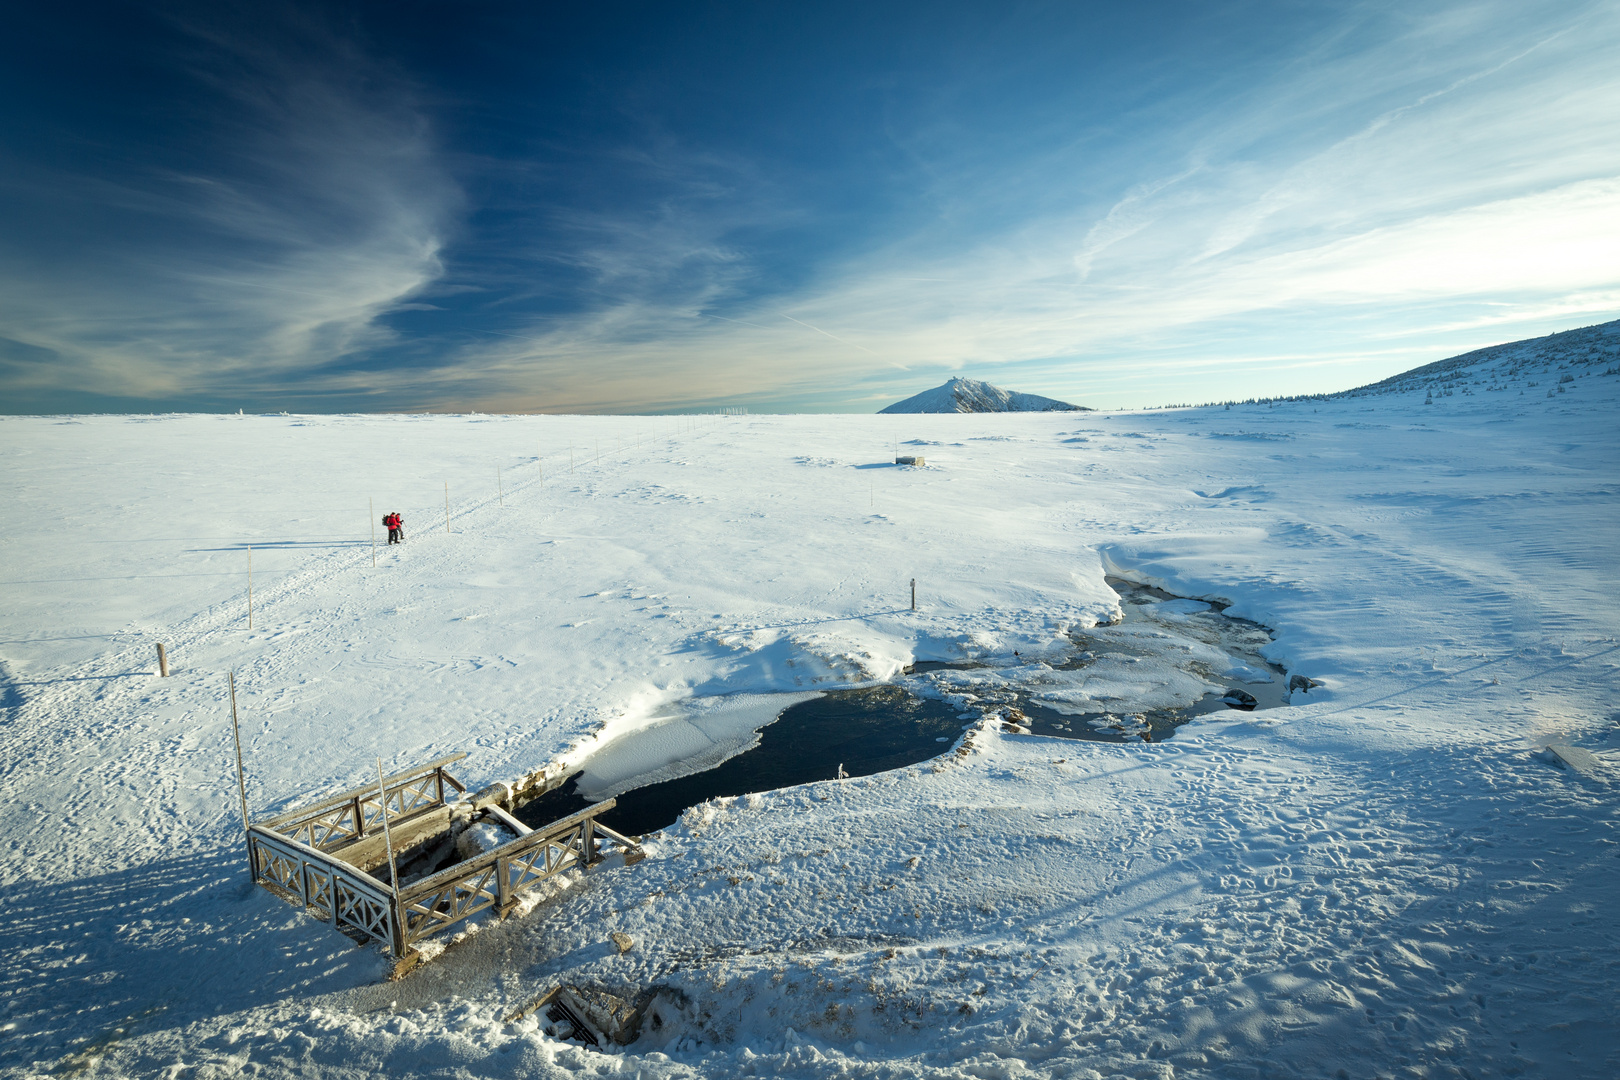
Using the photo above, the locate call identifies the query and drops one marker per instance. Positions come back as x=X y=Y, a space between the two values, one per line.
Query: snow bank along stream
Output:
x=1164 y=661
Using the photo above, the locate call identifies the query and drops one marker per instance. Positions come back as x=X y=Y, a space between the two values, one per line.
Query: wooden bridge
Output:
x=337 y=857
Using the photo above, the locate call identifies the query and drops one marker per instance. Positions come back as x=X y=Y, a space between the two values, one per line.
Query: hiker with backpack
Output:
x=395 y=527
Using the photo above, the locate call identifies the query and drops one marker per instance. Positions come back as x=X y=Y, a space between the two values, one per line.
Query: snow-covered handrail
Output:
x=497 y=877
x=343 y=819
x=343 y=895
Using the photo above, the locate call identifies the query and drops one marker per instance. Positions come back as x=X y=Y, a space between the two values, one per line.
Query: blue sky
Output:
x=655 y=207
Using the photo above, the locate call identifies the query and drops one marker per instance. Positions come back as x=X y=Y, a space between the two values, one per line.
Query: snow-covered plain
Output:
x=1386 y=878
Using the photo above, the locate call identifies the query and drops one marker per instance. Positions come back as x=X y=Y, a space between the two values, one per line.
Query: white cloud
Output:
x=1368 y=201
x=328 y=207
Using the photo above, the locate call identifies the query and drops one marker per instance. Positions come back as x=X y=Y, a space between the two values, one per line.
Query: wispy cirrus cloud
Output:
x=314 y=203
x=1373 y=189
x=1339 y=219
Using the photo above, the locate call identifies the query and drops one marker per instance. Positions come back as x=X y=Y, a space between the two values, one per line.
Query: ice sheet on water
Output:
x=698 y=734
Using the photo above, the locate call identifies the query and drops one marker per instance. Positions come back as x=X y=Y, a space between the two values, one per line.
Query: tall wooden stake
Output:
x=500 y=492
x=236 y=730
x=371 y=504
x=913 y=594
x=388 y=837
x=250 y=586
x=163 y=662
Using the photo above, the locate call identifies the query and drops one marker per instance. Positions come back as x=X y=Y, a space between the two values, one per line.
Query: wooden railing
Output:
x=328 y=887
x=341 y=820
x=319 y=856
x=496 y=878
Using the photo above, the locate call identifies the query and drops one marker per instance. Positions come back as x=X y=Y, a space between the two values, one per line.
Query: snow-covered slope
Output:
x=1562 y=357
x=972 y=396
x=1385 y=878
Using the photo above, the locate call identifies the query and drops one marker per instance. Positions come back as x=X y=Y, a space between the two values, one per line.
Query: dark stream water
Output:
x=864 y=731
x=873 y=729
x=1236 y=636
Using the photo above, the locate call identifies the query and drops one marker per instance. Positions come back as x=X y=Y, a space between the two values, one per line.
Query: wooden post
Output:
x=913 y=594
x=163 y=662
x=388 y=837
x=500 y=492
x=447 y=507
x=241 y=784
x=503 y=887
x=371 y=505
x=250 y=586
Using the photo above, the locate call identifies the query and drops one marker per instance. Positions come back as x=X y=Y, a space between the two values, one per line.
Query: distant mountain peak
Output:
x=959 y=395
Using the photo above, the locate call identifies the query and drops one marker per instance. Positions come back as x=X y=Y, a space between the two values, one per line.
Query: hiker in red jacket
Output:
x=391 y=520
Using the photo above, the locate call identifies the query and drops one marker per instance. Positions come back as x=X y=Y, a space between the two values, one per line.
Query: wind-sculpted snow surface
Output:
x=1384 y=878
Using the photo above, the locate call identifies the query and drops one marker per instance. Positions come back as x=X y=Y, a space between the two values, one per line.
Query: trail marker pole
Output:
x=388 y=837
x=371 y=505
x=250 y=586
x=913 y=594
x=447 y=508
x=163 y=662
x=500 y=492
x=570 y=461
x=236 y=730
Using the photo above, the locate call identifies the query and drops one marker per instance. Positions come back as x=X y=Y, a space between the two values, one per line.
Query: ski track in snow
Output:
x=1385 y=879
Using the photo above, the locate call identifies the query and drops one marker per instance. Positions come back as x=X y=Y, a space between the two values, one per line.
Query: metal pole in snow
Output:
x=250 y=586
x=388 y=837
x=913 y=594
x=236 y=730
x=500 y=492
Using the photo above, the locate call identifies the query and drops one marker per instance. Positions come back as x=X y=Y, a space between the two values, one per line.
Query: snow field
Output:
x=1383 y=879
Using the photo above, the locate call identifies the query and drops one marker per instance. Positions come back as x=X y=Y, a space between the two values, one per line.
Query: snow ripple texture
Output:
x=1385 y=878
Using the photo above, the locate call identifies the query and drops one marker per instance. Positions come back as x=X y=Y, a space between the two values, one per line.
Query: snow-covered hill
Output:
x=972 y=396
x=1547 y=364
